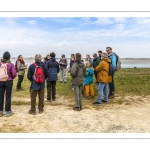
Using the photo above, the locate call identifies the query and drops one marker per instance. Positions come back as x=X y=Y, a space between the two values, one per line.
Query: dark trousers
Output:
x=112 y=86
x=33 y=99
x=6 y=87
x=95 y=73
x=51 y=89
x=78 y=94
x=20 y=79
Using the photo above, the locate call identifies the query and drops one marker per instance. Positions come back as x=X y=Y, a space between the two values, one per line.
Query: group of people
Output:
x=39 y=72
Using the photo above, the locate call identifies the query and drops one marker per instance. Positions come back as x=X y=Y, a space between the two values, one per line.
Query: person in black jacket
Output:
x=35 y=87
x=52 y=67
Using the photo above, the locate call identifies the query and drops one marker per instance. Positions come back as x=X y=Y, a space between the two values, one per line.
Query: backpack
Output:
x=38 y=74
x=3 y=72
x=111 y=70
x=118 y=63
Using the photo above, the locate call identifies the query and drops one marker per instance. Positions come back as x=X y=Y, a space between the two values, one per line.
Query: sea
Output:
x=125 y=62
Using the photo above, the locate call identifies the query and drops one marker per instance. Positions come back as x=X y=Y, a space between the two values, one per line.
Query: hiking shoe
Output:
x=97 y=103
x=1 y=114
x=111 y=96
x=76 y=108
x=8 y=114
x=104 y=101
x=32 y=112
x=60 y=81
x=86 y=98
x=41 y=111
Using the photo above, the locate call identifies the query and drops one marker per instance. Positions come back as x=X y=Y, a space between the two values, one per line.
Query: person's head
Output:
x=88 y=65
x=47 y=57
x=94 y=55
x=20 y=57
x=52 y=55
x=63 y=56
x=99 y=52
x=78 y=57
x=87 y=56
x=108 y=50
x=6 y=55
x=104 y=55
x=72 y=55
x=38 y=57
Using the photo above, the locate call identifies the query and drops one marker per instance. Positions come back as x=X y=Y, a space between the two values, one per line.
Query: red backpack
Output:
x=38 y=74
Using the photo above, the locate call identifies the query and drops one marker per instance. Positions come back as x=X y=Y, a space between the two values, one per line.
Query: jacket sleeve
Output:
x=73 y=70
x=114 y=59
x=58 y=69
x=13 y=71
x=99 y=67
x=45 y=71
x=29 y=74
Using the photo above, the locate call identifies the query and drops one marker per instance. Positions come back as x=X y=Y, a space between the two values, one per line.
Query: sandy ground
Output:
x=58 y=117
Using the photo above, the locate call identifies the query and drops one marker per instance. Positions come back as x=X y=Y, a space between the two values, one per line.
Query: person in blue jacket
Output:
x=52 y=67
x=112 y=56
x=35 y=87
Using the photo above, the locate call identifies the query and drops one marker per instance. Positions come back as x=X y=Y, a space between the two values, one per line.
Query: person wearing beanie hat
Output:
x=20 y=68
x=103 y=78
x=6 y=86
x=6 y=55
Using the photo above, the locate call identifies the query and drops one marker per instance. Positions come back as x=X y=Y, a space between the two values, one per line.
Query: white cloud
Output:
x=32 y=22
x=103 y=21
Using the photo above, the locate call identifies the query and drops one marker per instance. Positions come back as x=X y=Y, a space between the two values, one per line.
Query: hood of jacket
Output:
x=79 y=63
x=40 y=63
x=107 y=60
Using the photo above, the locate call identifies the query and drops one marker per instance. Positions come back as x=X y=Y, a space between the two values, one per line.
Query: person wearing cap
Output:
x=35 y=87
x=20 y=68
x=6 y=86
x=103 y=78
x=63 y=65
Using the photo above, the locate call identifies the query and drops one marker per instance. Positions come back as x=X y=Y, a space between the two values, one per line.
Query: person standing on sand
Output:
x=20 y=68
x=36 y=88
x=113 y=58
x=88 y=81
x=63 y=65
x=103 y=78
x=77 y=73
x=52 y=67
x=6 y=85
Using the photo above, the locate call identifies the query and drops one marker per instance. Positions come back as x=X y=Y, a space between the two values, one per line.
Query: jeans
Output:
x=63 y=75
x=33 y=99
x=6 y=87
x=112 y=86
x=20 y=79
x=102 y=87
x=51 y=89
x=78 y=94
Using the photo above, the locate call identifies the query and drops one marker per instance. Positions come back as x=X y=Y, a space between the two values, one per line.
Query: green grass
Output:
x=127 y=82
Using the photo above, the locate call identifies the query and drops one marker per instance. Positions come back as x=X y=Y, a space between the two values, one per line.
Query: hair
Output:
x=38 y=57
x=94 y=55
x=88 y=65
x=63 y=55
x=78 y=56
x=105 y=55
x=19 y=56
x=109 y=48
x=52 y=54
x=72 y=55
x=99 y=51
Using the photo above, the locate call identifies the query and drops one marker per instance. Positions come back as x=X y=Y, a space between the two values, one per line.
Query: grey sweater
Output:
x=77 y=73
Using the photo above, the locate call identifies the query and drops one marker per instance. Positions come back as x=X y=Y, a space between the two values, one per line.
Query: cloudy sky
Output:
x=128 y=37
